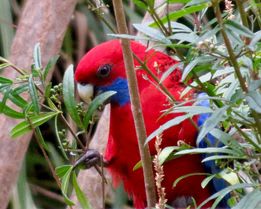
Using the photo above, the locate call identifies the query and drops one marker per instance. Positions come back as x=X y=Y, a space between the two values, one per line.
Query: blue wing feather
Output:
x=210 y=141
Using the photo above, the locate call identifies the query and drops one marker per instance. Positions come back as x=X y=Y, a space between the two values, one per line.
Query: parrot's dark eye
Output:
x=104 y=71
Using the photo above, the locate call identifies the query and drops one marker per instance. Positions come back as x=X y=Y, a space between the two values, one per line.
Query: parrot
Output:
x=102 y=69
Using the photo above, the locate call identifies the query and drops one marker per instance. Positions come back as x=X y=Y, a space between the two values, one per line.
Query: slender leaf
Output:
x=62 y=170
x=37 y=56
x=167 y=125
x=65 y=184
x=34 y=95
x=239 y=28
x=80 y=194
x=68 y=95
x=58 y=137
x=251 y=201
x=98 y=101
x=40 y=138
x=212 y=122
x=35 y=121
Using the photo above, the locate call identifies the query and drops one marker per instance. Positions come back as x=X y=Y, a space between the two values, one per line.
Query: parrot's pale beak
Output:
x=86 y=92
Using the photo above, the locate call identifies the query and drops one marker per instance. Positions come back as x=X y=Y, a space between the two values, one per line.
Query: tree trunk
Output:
x=44 y=22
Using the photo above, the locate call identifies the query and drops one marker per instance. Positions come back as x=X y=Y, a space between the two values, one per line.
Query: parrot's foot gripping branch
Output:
x=91 y=158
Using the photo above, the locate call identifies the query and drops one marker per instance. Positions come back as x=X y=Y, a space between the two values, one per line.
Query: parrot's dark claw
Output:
x=90 y=158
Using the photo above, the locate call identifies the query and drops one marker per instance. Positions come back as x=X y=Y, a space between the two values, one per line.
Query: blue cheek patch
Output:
x=119 y=85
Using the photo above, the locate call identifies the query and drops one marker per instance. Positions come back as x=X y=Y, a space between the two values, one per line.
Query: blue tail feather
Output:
x=210 y=166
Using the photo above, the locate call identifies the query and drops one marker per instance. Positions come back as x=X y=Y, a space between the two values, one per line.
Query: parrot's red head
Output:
x=102 y=69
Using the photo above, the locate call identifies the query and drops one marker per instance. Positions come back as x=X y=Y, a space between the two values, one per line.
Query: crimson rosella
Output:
x=102 y=69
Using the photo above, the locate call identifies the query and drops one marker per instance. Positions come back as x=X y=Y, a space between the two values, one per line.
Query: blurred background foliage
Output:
x=89 y=26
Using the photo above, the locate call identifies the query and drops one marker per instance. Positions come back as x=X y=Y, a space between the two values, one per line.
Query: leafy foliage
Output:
x=219 y=54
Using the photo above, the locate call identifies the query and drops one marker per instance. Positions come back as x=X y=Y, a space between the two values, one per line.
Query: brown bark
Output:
x=44 y=22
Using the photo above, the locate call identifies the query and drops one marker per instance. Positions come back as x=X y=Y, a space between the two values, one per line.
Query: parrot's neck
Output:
x=120 y=85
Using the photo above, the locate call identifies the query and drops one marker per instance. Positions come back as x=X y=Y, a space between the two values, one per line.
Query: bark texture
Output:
x=44 y=22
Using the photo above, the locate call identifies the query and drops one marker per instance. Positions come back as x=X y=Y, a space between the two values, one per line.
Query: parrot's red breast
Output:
x=103 y=67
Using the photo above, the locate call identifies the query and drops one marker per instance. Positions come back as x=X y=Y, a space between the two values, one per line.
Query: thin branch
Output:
x=136 y=106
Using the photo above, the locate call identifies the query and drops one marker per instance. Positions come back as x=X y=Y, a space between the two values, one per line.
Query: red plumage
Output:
x=122 y=151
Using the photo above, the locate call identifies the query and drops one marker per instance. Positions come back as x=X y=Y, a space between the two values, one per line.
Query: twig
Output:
x=136 y=106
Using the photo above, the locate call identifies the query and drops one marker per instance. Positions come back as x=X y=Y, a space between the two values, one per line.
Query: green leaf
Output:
x=18 y=100
x=253 y=98
x=212 y=122
x=186 y=176
x=65 y=184
x=80 y=194
x=184 y=37
x=192 y=109
x=137 y=166
x=34 y=121
x=68 y=95
x=4 y=80
x=251 y=200
x=12 y=113
x=225 y=191
x=62 y=170
x=205 y=182
x=210 y=150
x=34 y=95
x=169 y=71
x=98 y=101
x=58 y=138
x=182 y=12
x=152 y=32
x=49 y=66
x=166 y=152
x=255 y=40
x=37 y=56
x=167 y=125
x=178 y=1
x=238 y=28
x=39 y=136
x=140 y=4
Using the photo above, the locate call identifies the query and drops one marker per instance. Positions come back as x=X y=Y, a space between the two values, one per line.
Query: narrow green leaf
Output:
x=35 y=121
x=189 y=68
x=182 y=12
x=210 y=150
x=40 y=138
x=65 y=184
x=255 y=40
x=192 y=109
x=4 y=80
x=98 y=101
x=240 y=29
x=178 y=1
x=140 y=4
x=49 y=66
x=253 y=98
x=12 y=113
x=152 y=32
x=68 y=95
x=37 y=56
x=165 y=153
x=205 y=182
x=62 y=170
x=137 y=166
x=18 y=100
x=225 y=191
x=251 y=200
x=169 y=71
x=33 y=94
x=186 y=176
x=80 y=194
x=167 y=125
x=58 y=138
x=212 y=122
